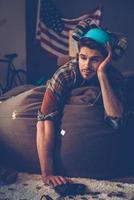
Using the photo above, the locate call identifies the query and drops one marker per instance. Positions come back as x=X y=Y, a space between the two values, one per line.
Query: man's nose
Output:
x=88 y=63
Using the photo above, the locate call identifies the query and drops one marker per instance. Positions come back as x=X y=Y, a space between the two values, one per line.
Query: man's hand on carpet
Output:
x=55 y=180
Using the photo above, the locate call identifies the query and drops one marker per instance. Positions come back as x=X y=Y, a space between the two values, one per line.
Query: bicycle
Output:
x=14 y=77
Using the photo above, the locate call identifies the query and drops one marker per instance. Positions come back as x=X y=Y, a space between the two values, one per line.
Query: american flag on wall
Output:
x=53 y=30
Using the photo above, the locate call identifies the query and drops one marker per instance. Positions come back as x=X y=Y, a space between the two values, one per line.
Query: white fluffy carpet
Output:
x=31 y=187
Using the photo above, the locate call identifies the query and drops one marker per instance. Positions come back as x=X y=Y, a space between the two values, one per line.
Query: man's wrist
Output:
x=48 y=169
x=47 y=173
x=101 y=73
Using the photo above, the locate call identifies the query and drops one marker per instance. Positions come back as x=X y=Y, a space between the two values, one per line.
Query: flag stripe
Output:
x=55 y=51
x=62 y=36
x=51 y=34
x=96 y=15
x=54 y=42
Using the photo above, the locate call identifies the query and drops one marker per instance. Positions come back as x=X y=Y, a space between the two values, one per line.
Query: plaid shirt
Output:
x=68 y=77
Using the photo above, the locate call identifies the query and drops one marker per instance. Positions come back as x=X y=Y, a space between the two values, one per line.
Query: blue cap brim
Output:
x=98 y=35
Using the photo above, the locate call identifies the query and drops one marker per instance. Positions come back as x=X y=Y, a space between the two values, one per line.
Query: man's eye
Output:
x=95 y=60
x=83 y=57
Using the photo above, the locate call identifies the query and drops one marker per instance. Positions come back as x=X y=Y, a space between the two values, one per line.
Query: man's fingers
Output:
x=53 y=182
x=56 y=180
x=108 y=46
x=59 y=180
x=69 y=180
x=109 y=49
x=63 y=179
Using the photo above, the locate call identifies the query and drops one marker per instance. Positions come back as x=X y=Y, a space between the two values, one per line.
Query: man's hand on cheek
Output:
x=106 y=61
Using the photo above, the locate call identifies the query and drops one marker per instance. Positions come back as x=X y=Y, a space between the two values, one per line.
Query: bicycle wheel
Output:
x=19 y=78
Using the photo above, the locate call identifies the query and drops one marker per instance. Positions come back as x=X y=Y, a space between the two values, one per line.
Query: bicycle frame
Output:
x=12 y=72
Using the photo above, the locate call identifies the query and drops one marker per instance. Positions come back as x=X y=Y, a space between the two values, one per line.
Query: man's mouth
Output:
x=88 y=71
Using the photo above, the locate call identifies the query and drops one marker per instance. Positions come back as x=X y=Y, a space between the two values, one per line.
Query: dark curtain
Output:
x=39 y=63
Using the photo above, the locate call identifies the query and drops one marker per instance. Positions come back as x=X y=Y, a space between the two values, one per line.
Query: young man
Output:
x=93 y=67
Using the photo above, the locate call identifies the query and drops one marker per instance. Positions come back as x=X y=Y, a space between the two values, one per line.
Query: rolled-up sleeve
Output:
x=49 y=110
x=51 y=116
x=54 y=97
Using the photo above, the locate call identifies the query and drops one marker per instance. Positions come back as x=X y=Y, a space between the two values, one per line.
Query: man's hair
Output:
x=92 y=44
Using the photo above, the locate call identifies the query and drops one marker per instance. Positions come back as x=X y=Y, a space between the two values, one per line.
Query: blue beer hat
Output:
x=98 y=35
x=117 y=41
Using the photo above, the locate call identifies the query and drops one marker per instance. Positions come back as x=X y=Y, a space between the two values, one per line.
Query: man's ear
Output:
x=77 y=56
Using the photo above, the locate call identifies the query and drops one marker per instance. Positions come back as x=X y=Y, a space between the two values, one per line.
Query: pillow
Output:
x=18 y=129
x=88 y=147
x=15 y=91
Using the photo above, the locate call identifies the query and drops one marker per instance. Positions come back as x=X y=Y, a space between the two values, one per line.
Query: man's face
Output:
x=89 y=61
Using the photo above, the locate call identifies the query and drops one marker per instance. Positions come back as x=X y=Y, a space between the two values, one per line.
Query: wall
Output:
x=12 y=33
